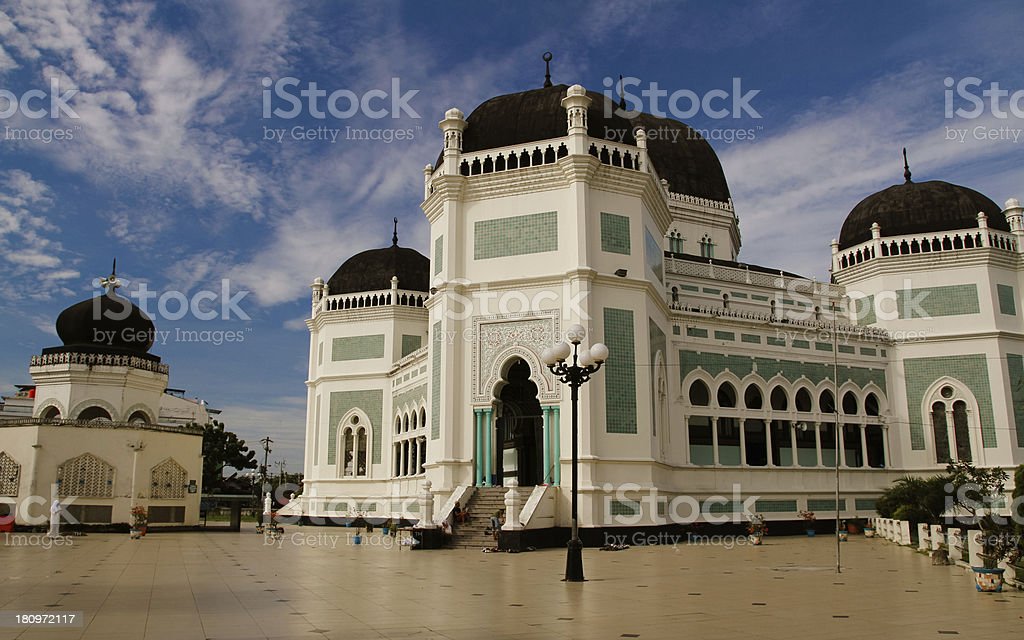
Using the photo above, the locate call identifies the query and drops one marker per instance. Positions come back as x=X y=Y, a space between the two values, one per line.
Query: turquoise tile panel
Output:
x=614 y=233
x=1007 y=300
x=370 y=402
x=438 y=255
x=620 y=371
x=410 y=344
x=515 y=235
x=357 y=348
x=1015 y=367
x=971 y=370
x=435 y=381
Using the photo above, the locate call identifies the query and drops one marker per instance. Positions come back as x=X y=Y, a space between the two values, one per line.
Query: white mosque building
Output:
x=98 y=429
x=724 y=379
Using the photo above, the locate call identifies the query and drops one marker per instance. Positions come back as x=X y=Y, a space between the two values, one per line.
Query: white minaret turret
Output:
x=452 y=126
x=319 y=291
x=1014 y=213
x=428 y=171
x=576 y=102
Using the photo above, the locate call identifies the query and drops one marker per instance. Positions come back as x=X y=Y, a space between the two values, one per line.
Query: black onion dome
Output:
x=919 y=207
x=372 y=271
x=106 y=323
x=680 y=154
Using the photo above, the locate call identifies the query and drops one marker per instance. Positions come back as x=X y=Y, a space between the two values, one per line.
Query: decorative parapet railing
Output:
x=924 y=243
x=868 y=333
x=544 y=152
x=751 y=277
x=370 y=299
x=700 y=202
x=98 y=359
x=195 y=430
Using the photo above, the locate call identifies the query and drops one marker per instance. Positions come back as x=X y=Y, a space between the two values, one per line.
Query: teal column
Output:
x=478 y=462
x=488 y=448
x=547 y=445
x=557 y=444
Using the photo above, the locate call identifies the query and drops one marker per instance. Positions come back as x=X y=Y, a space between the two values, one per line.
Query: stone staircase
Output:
x=474 y=534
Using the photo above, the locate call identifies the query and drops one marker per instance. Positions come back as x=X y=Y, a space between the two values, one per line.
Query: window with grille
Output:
x=169 y=480
x=86 y=476
x=10 y=472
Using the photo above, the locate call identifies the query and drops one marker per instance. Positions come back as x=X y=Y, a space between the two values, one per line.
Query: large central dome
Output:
x=680 y=154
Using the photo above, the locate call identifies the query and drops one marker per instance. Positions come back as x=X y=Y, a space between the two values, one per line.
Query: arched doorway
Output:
x=520 y=428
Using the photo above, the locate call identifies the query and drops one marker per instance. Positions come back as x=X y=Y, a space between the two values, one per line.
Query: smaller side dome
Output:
x=919 y=207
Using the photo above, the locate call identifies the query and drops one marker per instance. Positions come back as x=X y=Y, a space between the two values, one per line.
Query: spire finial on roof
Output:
x=111 y=283
x=394 y=236
x=906 y=165
x=547 y=68
x=622 y=94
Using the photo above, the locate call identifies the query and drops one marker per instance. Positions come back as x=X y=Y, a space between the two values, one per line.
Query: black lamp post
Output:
x=584 y=364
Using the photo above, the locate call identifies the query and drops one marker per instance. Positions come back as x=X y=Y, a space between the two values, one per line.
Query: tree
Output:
x=221 y=449
x=914 y=499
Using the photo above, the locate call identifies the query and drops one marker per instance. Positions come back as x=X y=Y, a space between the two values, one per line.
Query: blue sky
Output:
x=168 y=168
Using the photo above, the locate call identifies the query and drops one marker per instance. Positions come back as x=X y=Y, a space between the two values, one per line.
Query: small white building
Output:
x=551 y=207
x=97 y=430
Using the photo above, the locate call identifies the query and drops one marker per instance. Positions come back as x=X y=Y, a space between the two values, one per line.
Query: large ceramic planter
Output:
x=810 y=533
x=756 y=539
x=135 y=534
x=988 y=580
x=843 y=536
x=869 y=532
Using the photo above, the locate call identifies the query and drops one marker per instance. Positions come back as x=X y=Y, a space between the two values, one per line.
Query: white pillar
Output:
x=936 y=536
x=923 y=542
x=426 y=508
x=512 y=507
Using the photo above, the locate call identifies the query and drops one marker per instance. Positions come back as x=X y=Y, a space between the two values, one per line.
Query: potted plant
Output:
x=388 y=525
x=808 y=517
x=756 y=527
x=843 y=532
x=869 y=529
x=139 y=522
x=973 y=489
x=854 y=526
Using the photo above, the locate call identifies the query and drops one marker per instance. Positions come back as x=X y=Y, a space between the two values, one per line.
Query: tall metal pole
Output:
x=574 y=556
x=835 y=409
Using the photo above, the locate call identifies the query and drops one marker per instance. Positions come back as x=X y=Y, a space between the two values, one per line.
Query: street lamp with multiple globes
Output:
x=585 y=363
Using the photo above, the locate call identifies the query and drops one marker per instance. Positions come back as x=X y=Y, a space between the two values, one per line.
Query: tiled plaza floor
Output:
x=186 y=586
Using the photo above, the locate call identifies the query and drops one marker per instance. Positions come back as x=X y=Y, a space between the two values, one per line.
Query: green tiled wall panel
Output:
x=725 y=335
x=823 y=346
x=825 y=504
x=358 y=348
x=371 y=402
x=1015 y=367
x=696 y=332
x=438 y=255
x=620 y=372
x=865 y=310
x=410 y=344
x=713 y=292
x=515 y=236
x=716 y=363
x=864 y=504
x=624 y=508
x=845 y=348
x=689 y=287
x=801 y=344
x=759 y=298
x=739 y=295
x=1007 y=300
x=934 y=302
x=868 y=351
x=750 y=338
x=776 y=342
x=413 y=397
x=435 y=381
x=675 y=329
x=614 y=233
x=972 y=370
x=775 y=506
